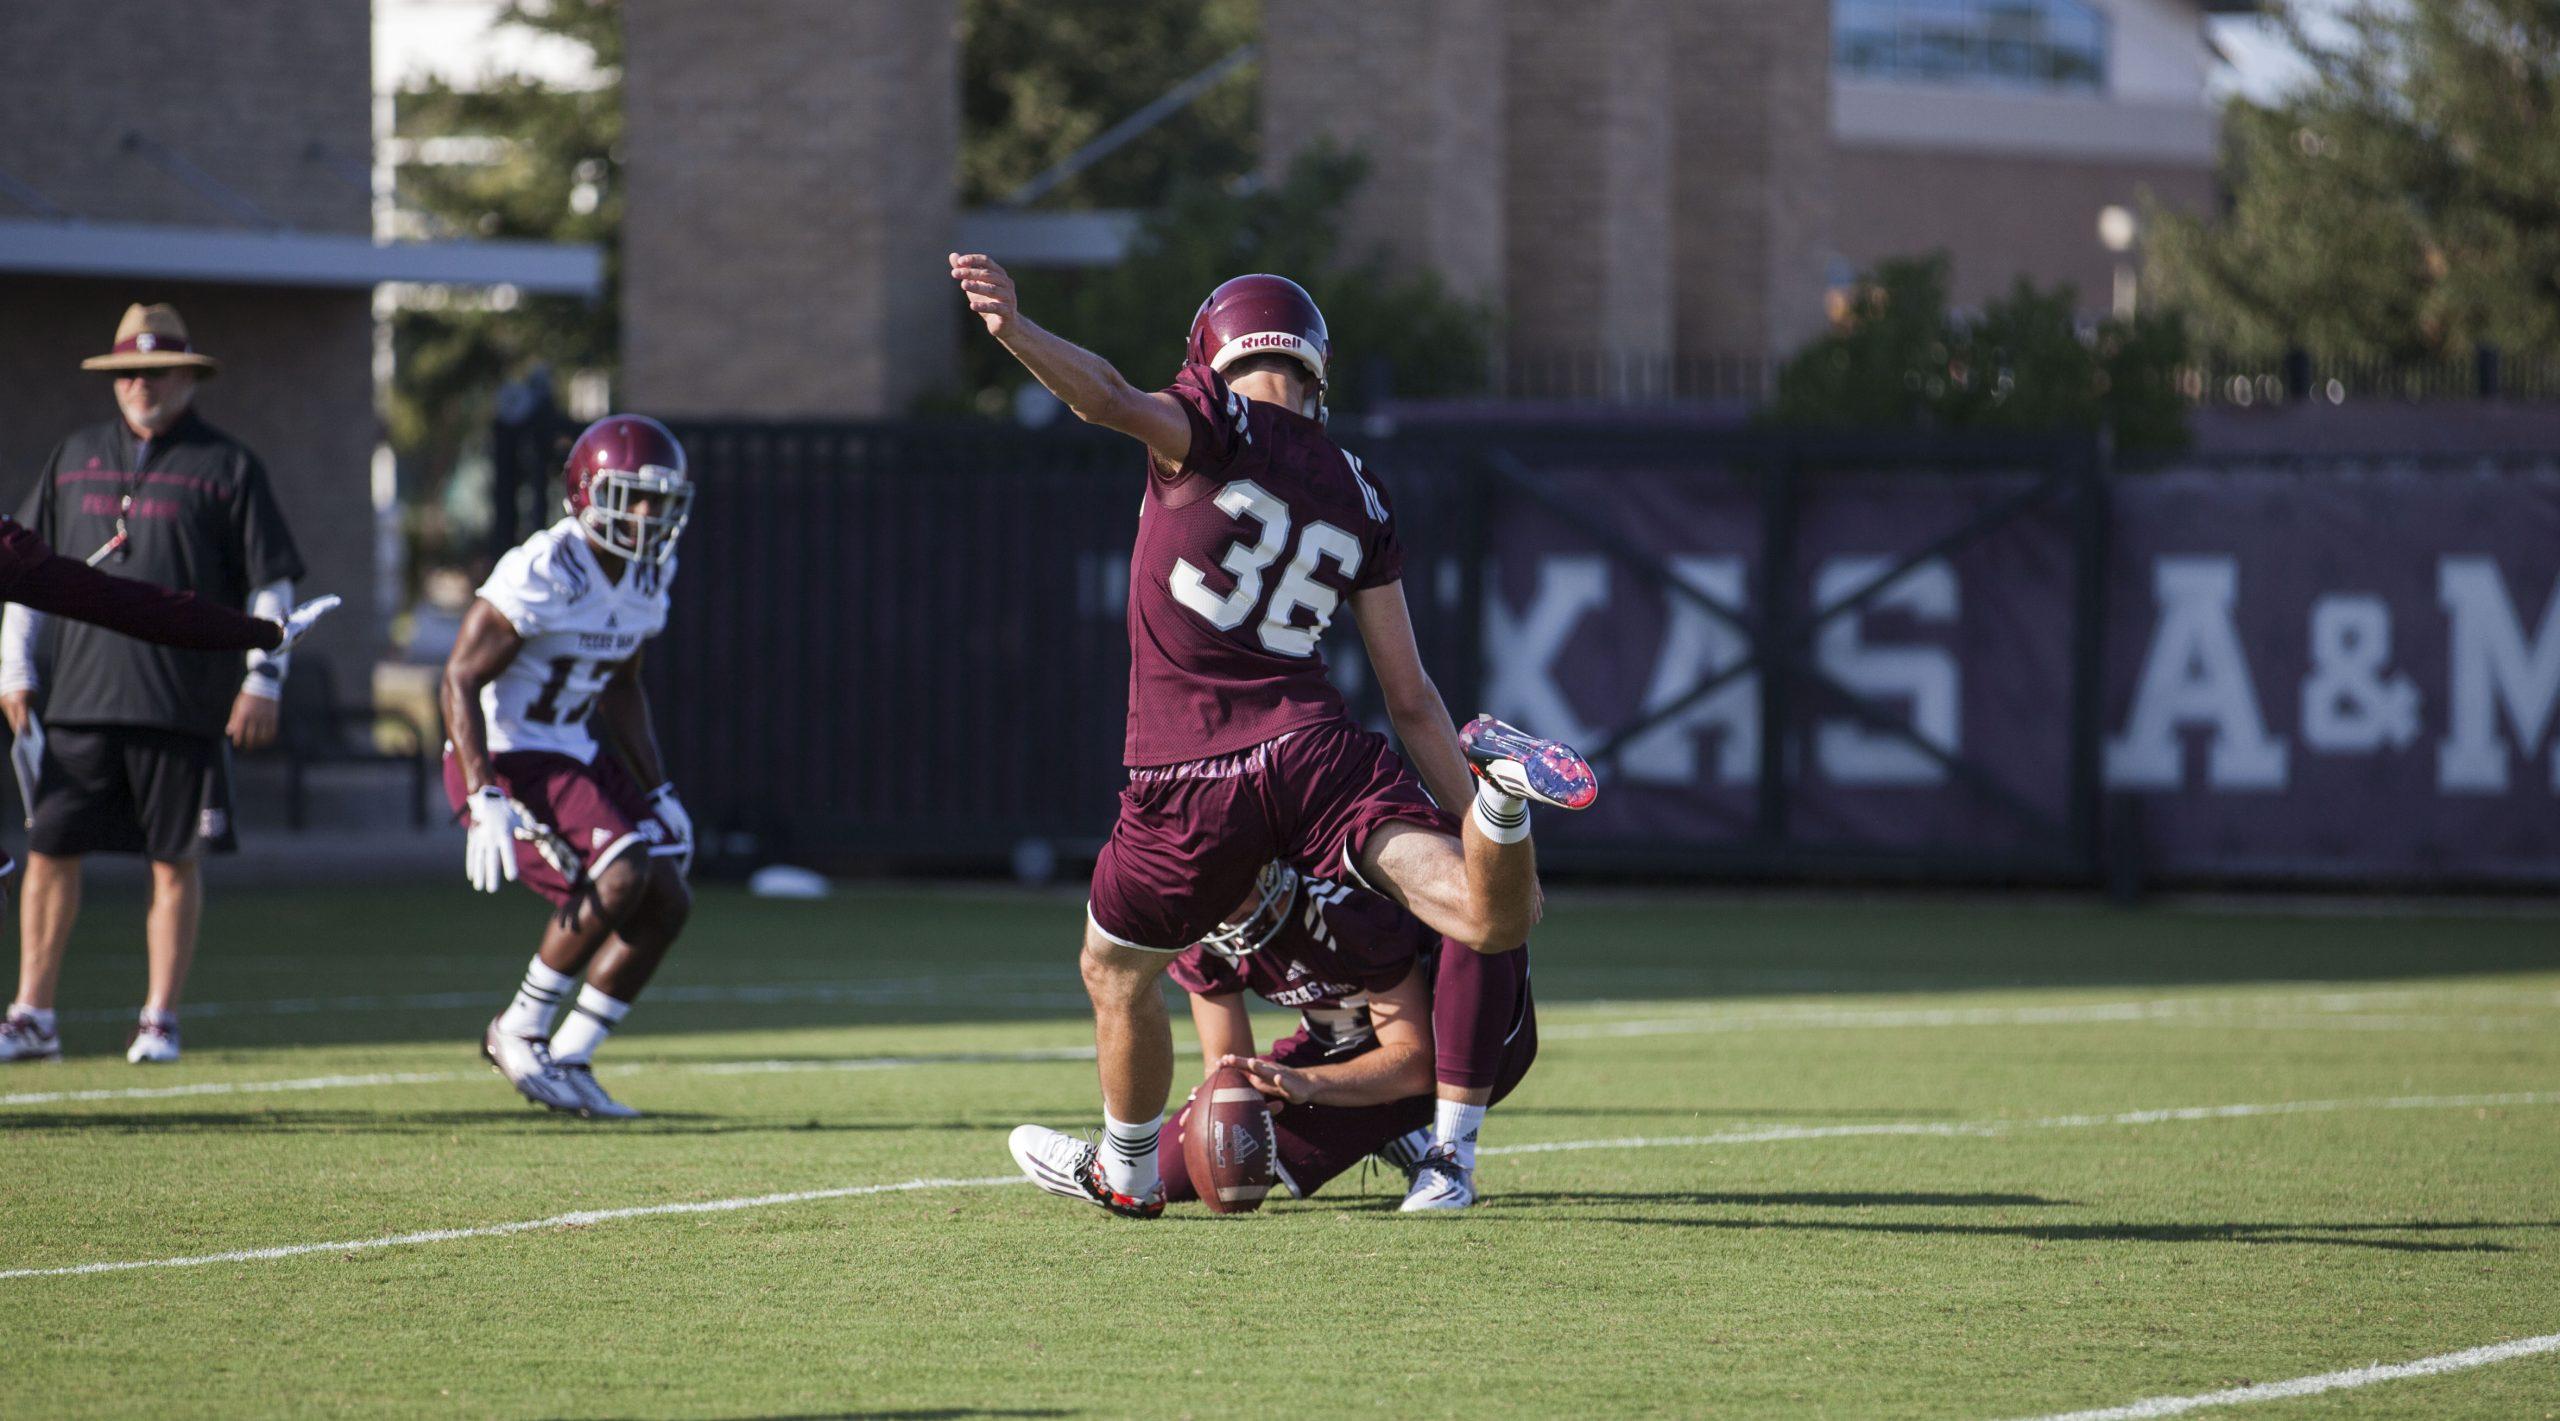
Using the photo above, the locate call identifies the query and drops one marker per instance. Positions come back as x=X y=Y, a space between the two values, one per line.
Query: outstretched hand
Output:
x=989 y=290
x=1278 y=1082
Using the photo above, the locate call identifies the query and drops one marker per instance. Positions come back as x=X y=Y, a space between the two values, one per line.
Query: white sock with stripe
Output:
x=1129 y=1155
x=1503 y=816
x=587 y=1025
x=543 y=991
x=1456 y=1125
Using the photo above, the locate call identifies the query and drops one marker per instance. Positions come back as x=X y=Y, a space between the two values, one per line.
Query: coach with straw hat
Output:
x=133 y=755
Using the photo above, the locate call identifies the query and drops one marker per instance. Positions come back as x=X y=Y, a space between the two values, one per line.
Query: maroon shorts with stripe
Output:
x=1191 y=837
x=597 y=808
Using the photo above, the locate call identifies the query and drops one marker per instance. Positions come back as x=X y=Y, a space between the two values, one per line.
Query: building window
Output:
x=2020 y=44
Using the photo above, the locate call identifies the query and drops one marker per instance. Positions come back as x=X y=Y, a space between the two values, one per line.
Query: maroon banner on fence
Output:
x=2340 y=675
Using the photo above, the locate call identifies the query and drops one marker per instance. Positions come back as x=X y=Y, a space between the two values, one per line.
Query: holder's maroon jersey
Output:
x=1244 y=554
x=1335 y=947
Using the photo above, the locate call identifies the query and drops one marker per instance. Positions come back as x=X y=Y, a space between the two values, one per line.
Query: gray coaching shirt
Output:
x=199 y=517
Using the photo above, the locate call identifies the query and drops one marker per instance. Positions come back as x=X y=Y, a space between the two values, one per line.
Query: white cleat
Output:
x=594 y=1104
x=1439 y=1183
x=1071 y=1168
x=526 y=1063
x=152 y=1044
x=22 y=1040
x=1405 y=1151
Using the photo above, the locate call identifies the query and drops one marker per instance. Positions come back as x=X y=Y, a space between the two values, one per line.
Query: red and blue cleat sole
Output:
x=1520 y=763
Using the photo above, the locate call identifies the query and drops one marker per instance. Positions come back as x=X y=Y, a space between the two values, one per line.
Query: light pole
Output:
x=2117 y=229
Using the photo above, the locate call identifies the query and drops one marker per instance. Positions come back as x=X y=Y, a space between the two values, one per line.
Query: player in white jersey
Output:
x=551 y=744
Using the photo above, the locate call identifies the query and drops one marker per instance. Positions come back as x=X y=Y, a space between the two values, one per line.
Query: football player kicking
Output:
x=1253 y=530
x=551 y=646
x=1384 y=1008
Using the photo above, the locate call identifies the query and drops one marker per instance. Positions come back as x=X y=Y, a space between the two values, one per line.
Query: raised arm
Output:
x=41 y=579
x=1420 y=717
x=1085 y=381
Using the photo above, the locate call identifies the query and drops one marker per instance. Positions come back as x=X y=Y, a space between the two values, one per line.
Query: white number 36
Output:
x=1246 y=562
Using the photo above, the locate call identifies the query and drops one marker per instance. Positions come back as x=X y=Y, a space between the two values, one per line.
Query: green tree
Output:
x=1899 y=360
x=1039 y=79
x=519 y=159
x=2403 y=204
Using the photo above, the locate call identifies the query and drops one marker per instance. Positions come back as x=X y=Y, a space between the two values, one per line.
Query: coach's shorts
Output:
x=1191 y=837
x=597 y=808
x=1319 y=1142
x=132 y=789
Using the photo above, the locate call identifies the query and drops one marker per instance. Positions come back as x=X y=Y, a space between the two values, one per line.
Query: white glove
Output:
x=679 y=825
x=304 y=618
x=490 y=856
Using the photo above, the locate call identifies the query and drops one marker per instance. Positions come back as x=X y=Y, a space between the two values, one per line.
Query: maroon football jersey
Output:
x=1243 y=556
x=1337 y=945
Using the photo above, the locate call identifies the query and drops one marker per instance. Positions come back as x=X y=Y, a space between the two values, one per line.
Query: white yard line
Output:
x=704 y=1068
x=2313 y=1386
x=1763 y=1135
x=966 y=989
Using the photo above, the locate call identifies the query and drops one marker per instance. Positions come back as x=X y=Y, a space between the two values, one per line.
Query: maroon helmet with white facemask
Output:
x=622 y=462
x=1263 y=315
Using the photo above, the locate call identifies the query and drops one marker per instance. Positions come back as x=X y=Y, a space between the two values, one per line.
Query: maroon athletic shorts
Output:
x=1191 y=837
x=595 y=807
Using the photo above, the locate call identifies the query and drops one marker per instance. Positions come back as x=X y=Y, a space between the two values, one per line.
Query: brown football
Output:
x=1229 y=1143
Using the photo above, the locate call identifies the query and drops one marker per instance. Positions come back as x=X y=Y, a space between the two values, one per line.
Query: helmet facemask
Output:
x=610 y=516
x=1275 y=892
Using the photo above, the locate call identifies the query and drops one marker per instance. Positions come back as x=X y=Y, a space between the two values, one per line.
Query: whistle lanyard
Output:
x=120 y=546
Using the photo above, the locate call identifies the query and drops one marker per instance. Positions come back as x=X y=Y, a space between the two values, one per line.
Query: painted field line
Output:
x=1763 y=1135
x=2313 y=1386
x=965 y=989
x=556 y=1221
x=706 y=1068
x=2239 y=1012
x=1983 y=1128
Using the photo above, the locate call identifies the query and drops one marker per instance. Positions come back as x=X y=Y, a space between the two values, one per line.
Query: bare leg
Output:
x=49 y=906
x=629 y=958
x=1132 y=1037
x=568 y=945
x=177 y=907
x=1466 y=887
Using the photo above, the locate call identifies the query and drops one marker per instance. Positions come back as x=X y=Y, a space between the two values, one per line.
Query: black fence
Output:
x=905 y=645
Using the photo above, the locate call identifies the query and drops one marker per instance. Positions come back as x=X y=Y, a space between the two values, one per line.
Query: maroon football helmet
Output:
x=619 y=461
x=1263 y=315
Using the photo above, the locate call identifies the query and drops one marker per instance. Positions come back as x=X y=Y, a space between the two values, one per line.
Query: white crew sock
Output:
x=1129 y=1155
x=1503 y=816
x=43 y=1015
x=587 y=1025
x=530 y=1013
x=1456 y=1126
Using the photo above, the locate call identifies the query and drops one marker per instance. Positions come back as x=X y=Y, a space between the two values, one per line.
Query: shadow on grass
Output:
x=518 y=1121
x=1817 y=1199
x=933 y=1413
x=2307 y=1234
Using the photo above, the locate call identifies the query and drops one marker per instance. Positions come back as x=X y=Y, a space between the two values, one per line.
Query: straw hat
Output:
x=152 y=338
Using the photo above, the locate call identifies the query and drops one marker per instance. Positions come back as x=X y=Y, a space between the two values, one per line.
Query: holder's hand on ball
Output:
x=1284 y=1086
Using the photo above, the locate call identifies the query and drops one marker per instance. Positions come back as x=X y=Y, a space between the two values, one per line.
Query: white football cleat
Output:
x=22 y=1040
x=152 y=1044
x=526 y=1063
x=1439 y=1183
x=593 y=1104
x=1071 y=1168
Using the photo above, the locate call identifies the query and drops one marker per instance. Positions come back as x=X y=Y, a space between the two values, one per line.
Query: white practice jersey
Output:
x=578 y=628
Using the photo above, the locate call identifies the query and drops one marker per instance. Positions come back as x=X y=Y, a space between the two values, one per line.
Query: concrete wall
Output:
x=244 y=90
x=791 y=195
x=2000 y=216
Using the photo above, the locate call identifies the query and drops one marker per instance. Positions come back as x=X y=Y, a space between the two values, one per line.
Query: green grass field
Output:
x=1843 y=1158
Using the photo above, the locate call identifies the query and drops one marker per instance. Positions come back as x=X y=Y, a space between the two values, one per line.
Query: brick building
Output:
x=218 y=157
